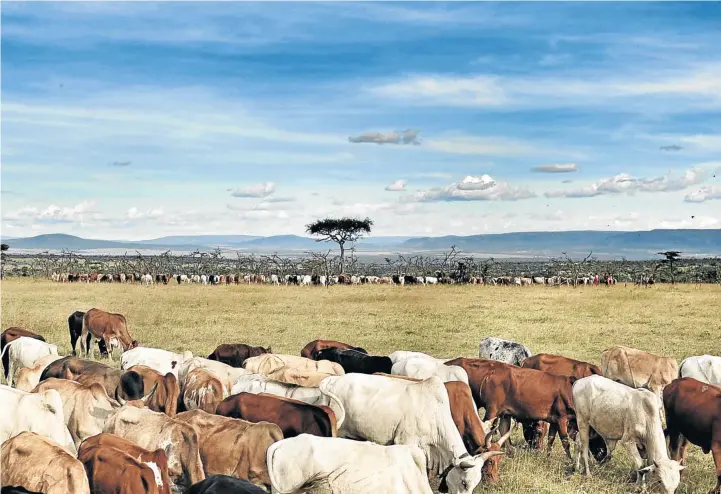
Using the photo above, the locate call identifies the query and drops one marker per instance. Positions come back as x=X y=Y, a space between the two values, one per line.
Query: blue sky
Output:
x=136 y=120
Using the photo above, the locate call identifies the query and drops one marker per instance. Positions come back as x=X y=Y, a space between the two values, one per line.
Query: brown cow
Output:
x=469 y=425
x=293 y=417
x=40 y=465
x=693 y=414
x=106 y=326
x=561 y=366
x=203 y=390
x=315 y=346
x=165 y=398
x=88 y=372
x=114 y=464
x=235 y=354
x=233 y=447
x=12 y=334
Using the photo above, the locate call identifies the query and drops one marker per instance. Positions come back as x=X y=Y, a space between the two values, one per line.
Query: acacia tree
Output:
x=671 y=257
x=340 y=231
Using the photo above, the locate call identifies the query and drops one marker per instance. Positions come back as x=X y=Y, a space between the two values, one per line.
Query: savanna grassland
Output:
x=445 y=321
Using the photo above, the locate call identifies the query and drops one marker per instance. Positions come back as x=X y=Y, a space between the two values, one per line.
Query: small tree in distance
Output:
x=340 y=231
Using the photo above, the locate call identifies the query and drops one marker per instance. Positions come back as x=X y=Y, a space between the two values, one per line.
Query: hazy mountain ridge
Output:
x=641 y=244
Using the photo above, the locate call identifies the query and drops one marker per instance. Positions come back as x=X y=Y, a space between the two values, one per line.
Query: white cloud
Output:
x=405 y=137
x=565 y=168
x=626 y=183
x=706 y=193
x=258 y=190
x=705 y=142
x=472 y=188
x=397 y=186
x=135 y=214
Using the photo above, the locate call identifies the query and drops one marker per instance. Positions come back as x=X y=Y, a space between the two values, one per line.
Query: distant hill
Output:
x=632 y=245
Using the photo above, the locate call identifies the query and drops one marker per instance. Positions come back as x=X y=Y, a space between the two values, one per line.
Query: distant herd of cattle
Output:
x=319 y=280
x=334 y=419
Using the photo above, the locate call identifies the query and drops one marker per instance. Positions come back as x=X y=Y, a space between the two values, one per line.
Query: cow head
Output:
x=492 y=466
x=667 y=474
x=140 y=402
x=465 y=473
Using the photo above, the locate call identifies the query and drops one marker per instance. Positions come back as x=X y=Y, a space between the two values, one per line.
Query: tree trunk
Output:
x=342 y=256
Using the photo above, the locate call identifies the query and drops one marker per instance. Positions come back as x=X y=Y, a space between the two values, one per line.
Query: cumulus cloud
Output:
x=626 y=183
x=706 y=193
x=672 y=147
x=53 y=213
x=258 y=190
x=408 y=136
x=473 y=188
x=121 y=163
x=566 y=168
x=135 y=214
x=397 y=186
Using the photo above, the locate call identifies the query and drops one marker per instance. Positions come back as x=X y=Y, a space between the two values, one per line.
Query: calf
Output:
x=106 y=326
x=292 y=416
x=693 y=414
x=114 y=464
x=315 y=346
x=355 y=361
x=235 y=354
x=24 y=352
x=12 y=334
x=39 y=464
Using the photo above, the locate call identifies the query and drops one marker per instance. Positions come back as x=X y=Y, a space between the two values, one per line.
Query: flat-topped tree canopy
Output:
x=340 y=231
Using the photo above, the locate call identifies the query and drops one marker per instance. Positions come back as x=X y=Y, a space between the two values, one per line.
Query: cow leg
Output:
x=89 y=348
x=716 y=452
x=676 y=445
x=552 y=430
x=636 y=457
x=582 y=447
x=562 y=429
x=108 y=347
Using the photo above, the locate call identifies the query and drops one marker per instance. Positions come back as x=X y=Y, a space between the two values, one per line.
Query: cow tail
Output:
x=340 y=416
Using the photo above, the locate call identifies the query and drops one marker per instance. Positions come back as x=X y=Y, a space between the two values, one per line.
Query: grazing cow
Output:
x=12 y=334
x=165 y=398
x=41 y=413
x=160 y=360
x=626 y=415
x=353 y=361
x=37 y=463
x=227 y=374
x=399 y=355
x=224 y=484
x=315 y=346
x=292 y=369
x=423 y=368
x=235 y=354
x=258 y=383
x=114 y=464
x=561 y=366
x=203 y=390
x=704 y=368
x=85 y=407
x=396 y=411
x=292 y=416
x=431 y=280
x=693 y=414
x=106 y=326
x=318 y=464
x=86 y=372
x=146 y=279
x=24 y=352
x=505 y=351
x=27 y=378
x=398 y=279
x=473 y=432
x=152 y=430
x=75 y=324
x=274 y=279
x=232 y=446
x=638 y=369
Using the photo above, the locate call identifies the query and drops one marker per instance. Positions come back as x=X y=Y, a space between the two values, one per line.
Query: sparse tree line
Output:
x=326 y=268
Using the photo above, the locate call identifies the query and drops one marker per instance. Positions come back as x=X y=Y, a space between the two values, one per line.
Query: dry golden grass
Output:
x=445 y=321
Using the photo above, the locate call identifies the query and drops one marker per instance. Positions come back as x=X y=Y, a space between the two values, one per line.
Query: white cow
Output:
x=630 y=416
x=306 y=280
x=423 y=368
x=704 y=368
x=258 y=383
x=195 y=278
x=26 y=378
x=146 y=279
x=160 y=360
x=388 y=410
x=41 y=413
x=274 y=279
x=431 y=280
x=227 y=374
x=420 y=280
x=203 y=279
x=24 y=352
x=399 y=355
x=331 y=464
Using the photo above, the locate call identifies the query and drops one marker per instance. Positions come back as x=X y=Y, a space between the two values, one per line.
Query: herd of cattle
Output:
x=319 y=280
x=334 y=419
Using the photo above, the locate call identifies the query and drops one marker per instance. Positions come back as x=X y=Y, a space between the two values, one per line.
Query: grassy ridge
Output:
x=445 y=321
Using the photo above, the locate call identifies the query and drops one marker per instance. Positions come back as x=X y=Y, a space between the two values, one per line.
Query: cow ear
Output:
x=648 y=469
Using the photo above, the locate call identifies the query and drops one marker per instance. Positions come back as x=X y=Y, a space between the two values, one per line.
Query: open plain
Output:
x=445 y=321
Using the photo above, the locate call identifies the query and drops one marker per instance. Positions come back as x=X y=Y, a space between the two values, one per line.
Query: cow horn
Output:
x=489 y=454
x=489 y=436
x=145 y=398
x=507 y=435
x=120 y=399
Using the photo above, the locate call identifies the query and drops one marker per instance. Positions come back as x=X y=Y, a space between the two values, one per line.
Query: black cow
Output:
x=224 y=484
x=396 y=279
x=235 y=354
x=410 y=280
x=355 y=361
x=75 y=324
